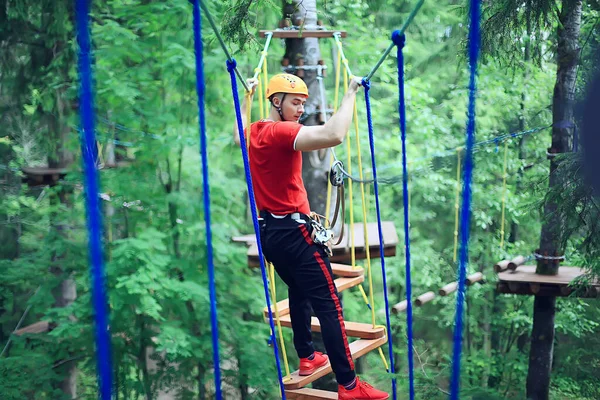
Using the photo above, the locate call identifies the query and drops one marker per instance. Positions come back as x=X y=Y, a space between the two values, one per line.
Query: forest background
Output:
x=155 y=248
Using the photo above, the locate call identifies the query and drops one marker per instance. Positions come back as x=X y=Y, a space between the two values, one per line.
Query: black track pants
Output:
x=305 y=268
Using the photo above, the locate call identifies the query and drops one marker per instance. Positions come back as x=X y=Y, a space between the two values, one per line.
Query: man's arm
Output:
x=252 y=84
x=334 y=130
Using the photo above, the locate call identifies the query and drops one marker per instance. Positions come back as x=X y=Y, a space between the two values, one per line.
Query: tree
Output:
x=553 y=236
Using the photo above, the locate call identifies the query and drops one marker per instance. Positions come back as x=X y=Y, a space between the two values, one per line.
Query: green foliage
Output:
x=155 y=235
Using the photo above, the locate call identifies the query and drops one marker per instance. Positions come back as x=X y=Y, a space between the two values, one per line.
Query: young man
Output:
x=275 y=152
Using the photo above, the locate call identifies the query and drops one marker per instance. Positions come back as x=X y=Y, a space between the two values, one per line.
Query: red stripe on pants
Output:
x=335 y=298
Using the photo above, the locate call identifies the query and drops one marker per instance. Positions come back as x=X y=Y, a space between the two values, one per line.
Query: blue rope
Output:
x=200 y=90
x=87 y=139
x=367 y=86
x=238 y=114
x=474 y=44
x=399 y=40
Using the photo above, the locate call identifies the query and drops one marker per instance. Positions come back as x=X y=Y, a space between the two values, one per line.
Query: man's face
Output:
x=292 y=107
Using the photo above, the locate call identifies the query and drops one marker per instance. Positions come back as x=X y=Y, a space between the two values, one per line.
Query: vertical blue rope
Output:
x=399 y=40
x=238 y=114
x=200 y=90
x=87 y=138
x=367 y=86
x=465 y=218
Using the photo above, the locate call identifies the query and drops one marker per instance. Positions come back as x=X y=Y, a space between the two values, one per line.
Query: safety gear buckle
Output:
x=321 y=235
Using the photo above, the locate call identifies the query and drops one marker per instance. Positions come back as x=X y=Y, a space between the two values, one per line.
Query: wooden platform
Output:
x=43 y=176
x=357 y=348
x=283 y=306
x=353 y=329
x=301 y=33
x=341 y=252
x=310 y=394
x=38 y=327
x=525 y=281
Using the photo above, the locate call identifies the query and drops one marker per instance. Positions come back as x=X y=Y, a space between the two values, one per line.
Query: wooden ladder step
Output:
x=310 y=394
x=358 y=348
x=283 y=306
x=353 y=329
x=346 y=270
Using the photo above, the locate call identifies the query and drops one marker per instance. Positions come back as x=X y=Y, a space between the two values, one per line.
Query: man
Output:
x=302 y=263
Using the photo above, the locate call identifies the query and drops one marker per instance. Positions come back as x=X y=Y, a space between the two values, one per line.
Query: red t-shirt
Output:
x=276 y=168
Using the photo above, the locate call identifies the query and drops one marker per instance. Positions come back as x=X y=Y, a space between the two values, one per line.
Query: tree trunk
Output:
x=66 y=292
x=552 y=238
x=315 y=165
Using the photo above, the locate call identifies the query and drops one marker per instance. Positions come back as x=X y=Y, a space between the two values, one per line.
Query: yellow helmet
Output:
x=286 y=83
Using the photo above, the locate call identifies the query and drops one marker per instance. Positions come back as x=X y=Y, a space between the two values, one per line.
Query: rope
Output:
x=457 y=203
x=411 y=16
x=351 y=197
x=370 y=302
x=261 y=100
x=222 y=42
x=335 y=103
x=271 y=273
x=238 y=113
x=474 y=43
x=200 y=90
x=367 y=86
x=503 y=193
x=87 y=139
x=399 y=40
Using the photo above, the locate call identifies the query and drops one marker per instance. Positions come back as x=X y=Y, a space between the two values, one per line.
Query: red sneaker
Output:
x=362 y=391
x=307 y=367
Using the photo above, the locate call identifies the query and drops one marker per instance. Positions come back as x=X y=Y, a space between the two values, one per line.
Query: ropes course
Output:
x=338 y=174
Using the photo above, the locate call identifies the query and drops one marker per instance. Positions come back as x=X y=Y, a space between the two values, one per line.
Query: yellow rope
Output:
x=335 y=102
x=261 y=100
x=100 y=158
x=271 y=274
x=456 y=205
x=350 y=191
x=248 y=119
x=503 y=193
x=364 y=209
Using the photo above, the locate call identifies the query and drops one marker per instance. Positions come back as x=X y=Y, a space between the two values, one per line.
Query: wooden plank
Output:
x=388 y=231
x=38 y=327
x=310 y=394
x=43 y=171
x=542 y=290
x=353 y=329
x=357 y=348
x=346 y=270
x=424 y=298
x=501 y=266
x=301 y=33
x=474 y=278
x=526 y=274
x=400 y=307
x=516 y=262
x=283 y=306
x=449 y=288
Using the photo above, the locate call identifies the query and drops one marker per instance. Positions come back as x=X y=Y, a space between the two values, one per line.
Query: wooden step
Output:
x=353 y=329
x=310 y=394
x=358 y=348
x=342 y=284
x=346 y=270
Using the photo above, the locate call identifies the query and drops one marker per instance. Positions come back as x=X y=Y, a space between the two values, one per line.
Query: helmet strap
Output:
x=279 y=108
